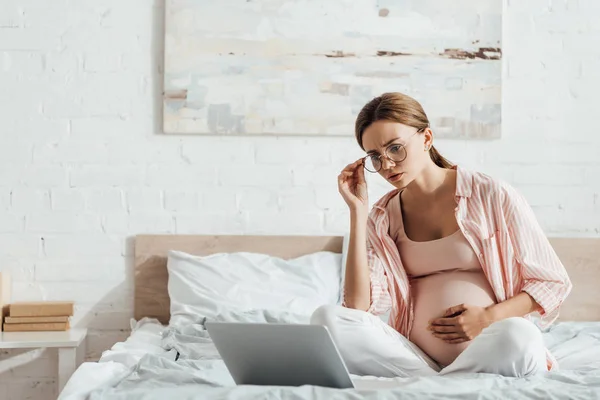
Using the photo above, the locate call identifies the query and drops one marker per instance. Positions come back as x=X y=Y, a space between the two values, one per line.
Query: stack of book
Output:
x=4 y=294
x=38 y=316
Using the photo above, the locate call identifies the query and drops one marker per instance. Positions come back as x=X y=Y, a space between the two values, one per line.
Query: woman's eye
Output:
x=395 y=149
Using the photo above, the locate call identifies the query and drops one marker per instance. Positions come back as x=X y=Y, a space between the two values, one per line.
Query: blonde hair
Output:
x=396 y=107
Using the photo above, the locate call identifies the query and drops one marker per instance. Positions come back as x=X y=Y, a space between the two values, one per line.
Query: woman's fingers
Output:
x=443 y=329
x=455 y=341
x=352 y=166
x=361 y=173
x=345 y=179
x=449 y=336
x=351 y=176
x=344 y=187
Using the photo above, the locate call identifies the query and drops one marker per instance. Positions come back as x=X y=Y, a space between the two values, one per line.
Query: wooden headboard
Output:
x=581 y=258
x=151 y=277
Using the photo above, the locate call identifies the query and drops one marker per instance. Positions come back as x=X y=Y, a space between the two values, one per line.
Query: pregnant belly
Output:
x=433 y=295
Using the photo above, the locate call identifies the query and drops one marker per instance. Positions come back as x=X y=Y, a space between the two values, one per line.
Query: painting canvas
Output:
x=301 y=67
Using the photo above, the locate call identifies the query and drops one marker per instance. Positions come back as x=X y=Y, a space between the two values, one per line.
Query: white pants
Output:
x=511 y=347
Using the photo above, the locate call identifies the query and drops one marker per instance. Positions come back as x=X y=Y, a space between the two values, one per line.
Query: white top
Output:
x=25 y=340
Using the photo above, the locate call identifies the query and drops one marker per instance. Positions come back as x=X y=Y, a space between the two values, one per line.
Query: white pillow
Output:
x=211 y=285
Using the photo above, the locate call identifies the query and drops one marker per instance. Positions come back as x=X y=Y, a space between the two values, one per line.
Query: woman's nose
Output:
x=386 y=163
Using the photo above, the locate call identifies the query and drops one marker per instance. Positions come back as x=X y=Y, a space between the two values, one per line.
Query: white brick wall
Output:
x=83 y=166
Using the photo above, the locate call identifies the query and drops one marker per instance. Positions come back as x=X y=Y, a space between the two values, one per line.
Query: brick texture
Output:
x=84 y=168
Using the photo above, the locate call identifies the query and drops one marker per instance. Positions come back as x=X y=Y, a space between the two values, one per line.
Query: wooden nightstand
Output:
x=66 y=342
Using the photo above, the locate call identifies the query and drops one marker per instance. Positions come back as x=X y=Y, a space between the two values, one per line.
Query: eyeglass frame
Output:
x=403 y=145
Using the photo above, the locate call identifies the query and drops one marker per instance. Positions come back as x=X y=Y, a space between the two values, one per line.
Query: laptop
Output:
x=280 y=354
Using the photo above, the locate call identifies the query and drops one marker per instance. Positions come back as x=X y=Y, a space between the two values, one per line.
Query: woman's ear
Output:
x=427 y=139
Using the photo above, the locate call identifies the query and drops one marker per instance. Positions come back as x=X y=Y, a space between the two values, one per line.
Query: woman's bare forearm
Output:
x=357 y=280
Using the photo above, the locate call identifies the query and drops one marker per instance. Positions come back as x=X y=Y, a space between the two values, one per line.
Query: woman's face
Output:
x=400 y=142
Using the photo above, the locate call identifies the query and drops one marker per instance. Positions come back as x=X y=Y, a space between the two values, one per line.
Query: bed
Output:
x=169 y=357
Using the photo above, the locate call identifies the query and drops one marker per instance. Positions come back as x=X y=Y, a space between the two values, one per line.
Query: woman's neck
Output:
x=432 y=183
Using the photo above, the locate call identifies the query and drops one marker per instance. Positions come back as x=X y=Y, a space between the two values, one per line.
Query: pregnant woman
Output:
x=455 y=256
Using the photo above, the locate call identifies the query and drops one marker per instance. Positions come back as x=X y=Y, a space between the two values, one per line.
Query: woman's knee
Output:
x=517 y=334
x=324 y=315
x=521 y=344
x=328 y=316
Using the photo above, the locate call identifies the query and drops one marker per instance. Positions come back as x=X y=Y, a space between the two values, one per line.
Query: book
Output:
x=41 y=309
x=34 y=320
x=4 y=294
x=51 y=326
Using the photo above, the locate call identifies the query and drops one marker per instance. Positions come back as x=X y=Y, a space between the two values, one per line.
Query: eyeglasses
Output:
x=395 y=152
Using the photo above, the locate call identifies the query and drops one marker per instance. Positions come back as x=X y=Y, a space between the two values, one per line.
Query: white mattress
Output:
x=203 y=375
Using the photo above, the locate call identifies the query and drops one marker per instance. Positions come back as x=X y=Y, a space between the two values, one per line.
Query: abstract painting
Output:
x=301 y=67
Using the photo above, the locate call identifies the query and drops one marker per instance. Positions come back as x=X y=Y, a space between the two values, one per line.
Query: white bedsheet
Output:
x=145 y=338
x=143 y=368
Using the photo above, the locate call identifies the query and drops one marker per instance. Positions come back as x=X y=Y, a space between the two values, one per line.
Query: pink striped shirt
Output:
x=497 y=221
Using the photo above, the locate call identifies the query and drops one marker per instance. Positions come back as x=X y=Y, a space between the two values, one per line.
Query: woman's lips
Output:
x=395 y=177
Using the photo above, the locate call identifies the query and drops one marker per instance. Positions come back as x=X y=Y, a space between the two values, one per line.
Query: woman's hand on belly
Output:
x=460 y=323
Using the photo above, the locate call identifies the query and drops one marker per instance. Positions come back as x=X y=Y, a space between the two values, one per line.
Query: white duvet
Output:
x=145 y=367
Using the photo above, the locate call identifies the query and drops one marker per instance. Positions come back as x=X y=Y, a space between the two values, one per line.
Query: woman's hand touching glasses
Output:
x=353 y=187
